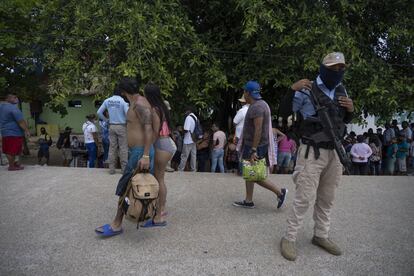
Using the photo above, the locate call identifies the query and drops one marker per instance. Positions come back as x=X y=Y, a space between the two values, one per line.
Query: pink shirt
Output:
x=221 y=137
x=286 y=145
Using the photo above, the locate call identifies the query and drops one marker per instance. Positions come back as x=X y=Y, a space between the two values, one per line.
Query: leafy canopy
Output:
x=201 y=52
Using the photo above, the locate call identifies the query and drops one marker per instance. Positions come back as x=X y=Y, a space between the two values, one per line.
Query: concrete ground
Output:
x=48 y=216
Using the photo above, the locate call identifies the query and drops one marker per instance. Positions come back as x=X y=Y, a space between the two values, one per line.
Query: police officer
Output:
x=318 y=169
x=117 y=109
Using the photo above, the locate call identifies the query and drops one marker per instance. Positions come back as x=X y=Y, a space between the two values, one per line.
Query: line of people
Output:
x=390 y=152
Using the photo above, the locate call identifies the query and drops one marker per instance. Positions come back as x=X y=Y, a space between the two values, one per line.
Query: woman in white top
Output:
x=360 y=153
x=91 y=139
x=239 y=118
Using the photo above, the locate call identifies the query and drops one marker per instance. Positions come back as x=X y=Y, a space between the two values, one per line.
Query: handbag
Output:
x=256 y=171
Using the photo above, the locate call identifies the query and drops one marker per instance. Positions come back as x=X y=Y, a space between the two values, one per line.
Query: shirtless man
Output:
x=140 y=138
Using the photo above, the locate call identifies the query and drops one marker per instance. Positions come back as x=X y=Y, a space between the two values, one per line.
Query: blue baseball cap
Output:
x=253 y=87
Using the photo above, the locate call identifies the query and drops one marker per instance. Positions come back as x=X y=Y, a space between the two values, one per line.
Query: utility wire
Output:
x=211 y=50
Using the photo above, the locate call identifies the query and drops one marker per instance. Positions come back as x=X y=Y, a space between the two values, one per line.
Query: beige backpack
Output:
x=139 y=201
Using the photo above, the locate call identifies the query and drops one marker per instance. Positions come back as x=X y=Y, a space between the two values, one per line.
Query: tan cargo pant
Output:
x=118 y=144
x=312 y=178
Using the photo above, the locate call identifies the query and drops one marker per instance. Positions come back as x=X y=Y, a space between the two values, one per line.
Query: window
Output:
x=75 y=103
x=98 y=103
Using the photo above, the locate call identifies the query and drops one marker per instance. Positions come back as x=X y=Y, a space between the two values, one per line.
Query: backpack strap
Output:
x=195 y=121
x=129 y=186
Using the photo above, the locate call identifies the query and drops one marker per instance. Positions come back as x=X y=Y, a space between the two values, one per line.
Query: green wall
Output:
x=74 y=119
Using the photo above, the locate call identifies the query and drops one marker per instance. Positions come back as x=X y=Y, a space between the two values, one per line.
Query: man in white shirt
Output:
x=189 y=145
x=239 y=118
x=90 y=134
x=407 y=131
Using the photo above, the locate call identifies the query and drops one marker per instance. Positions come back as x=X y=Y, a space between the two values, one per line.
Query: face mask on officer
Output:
x=331 y=78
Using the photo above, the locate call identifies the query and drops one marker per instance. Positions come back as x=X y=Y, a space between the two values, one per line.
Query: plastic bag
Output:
x=256 y=171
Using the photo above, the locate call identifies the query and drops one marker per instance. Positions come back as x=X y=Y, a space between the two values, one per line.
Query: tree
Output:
x=94 y=43
x=201 y=52
x=375 y=36
x=21 y=69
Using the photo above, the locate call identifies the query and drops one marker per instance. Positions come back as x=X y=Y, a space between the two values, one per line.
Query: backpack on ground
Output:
x=198 y=130
x=139 y=200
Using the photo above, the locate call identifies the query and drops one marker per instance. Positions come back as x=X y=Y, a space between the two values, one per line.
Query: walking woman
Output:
x=164 y=149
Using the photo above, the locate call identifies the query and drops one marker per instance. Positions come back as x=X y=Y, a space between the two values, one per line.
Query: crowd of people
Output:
x=137 y=125
x=388 y=152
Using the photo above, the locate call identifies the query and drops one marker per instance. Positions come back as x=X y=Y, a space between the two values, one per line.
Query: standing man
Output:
x=394 y=124
x=140 y=137
x=257 y=142
x=90 y=134
x=239 y=118
x=178 y=139
x=318 y=170
x=389 y=134
x=380 y=135
x=406 y=130
x=189 y=145
x=13 y=129
x=388 y=137
x=63 y=143
x=117 y=109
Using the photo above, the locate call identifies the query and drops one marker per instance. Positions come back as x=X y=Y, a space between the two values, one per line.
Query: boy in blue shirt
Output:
x=401 y=155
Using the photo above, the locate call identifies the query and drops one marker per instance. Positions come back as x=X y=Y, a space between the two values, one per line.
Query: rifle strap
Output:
x=307 y=151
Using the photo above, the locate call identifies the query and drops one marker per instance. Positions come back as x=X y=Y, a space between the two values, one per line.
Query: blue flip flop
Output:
x=151 y=223
x=108 y=231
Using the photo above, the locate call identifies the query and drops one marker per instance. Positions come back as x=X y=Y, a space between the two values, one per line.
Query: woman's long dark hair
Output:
x=153 y=94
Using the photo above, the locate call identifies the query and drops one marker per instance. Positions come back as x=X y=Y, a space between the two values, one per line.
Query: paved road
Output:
x=48 y=215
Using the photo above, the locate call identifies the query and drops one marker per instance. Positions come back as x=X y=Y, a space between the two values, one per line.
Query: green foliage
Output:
x=201 y=52
x=287 y=40
x=18 y=52
x=94 y=43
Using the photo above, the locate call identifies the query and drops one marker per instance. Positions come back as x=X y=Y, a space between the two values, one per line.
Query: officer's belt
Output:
x=316 y=146
x=321 y=145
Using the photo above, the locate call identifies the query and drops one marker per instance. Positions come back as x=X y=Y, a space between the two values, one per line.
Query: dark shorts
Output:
x=12 y=145
x=43 y=152
x=134 y=154
x=262 y=152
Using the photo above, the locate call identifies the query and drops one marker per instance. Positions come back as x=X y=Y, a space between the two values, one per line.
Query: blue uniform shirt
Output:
x=302 y=100
x=10 y=115
x=117 y=109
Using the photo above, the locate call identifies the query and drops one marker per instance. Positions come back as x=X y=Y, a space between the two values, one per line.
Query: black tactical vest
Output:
x=336 y=112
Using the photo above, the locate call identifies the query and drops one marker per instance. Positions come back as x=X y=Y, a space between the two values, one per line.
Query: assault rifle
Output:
x=329 y=133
